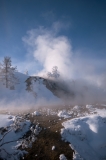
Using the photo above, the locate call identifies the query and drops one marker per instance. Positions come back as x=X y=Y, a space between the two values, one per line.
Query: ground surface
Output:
x=48 y=137
x=51 y=125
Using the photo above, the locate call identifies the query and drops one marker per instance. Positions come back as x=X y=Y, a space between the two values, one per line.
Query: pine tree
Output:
x=54 y=73
x=7 y=73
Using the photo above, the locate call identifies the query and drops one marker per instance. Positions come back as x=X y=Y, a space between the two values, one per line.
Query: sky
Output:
x=40 y=34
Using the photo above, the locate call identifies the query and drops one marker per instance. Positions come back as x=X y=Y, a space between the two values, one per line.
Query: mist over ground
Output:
x=81 y=92
x=50 y=93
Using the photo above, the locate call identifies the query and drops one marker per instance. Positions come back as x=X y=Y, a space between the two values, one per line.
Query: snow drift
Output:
x=87 y=136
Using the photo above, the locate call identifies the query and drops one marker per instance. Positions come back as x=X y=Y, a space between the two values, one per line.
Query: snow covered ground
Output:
x=87 y=135
x=20 y=97
x=12 y=128
x=85 y=130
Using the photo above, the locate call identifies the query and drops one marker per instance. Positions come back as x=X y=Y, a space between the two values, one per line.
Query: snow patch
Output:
x=11 y=130
x=36 y=113
x=87 y=135
x=62 y=157
x=77 y=107
x=64 y=114
x=89 y=106
x=53 y=148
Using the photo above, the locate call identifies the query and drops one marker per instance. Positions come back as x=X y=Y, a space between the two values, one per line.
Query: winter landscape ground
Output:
x=36 y=122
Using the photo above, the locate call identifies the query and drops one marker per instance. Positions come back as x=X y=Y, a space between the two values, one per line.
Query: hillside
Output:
x=37 y=94
x=35 y=91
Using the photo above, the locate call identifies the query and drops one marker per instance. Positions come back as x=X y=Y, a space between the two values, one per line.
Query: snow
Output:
x=5 y=121
x=89 y=106
x=53 y=148
x=87 y=136
x=76 y=107
x=36 y=113
x=15 y=127
x=20 y=97
x=62 y=157
x=44 y=95
x=64 y=114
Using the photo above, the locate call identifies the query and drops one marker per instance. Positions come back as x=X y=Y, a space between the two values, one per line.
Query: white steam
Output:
x=50 y=49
